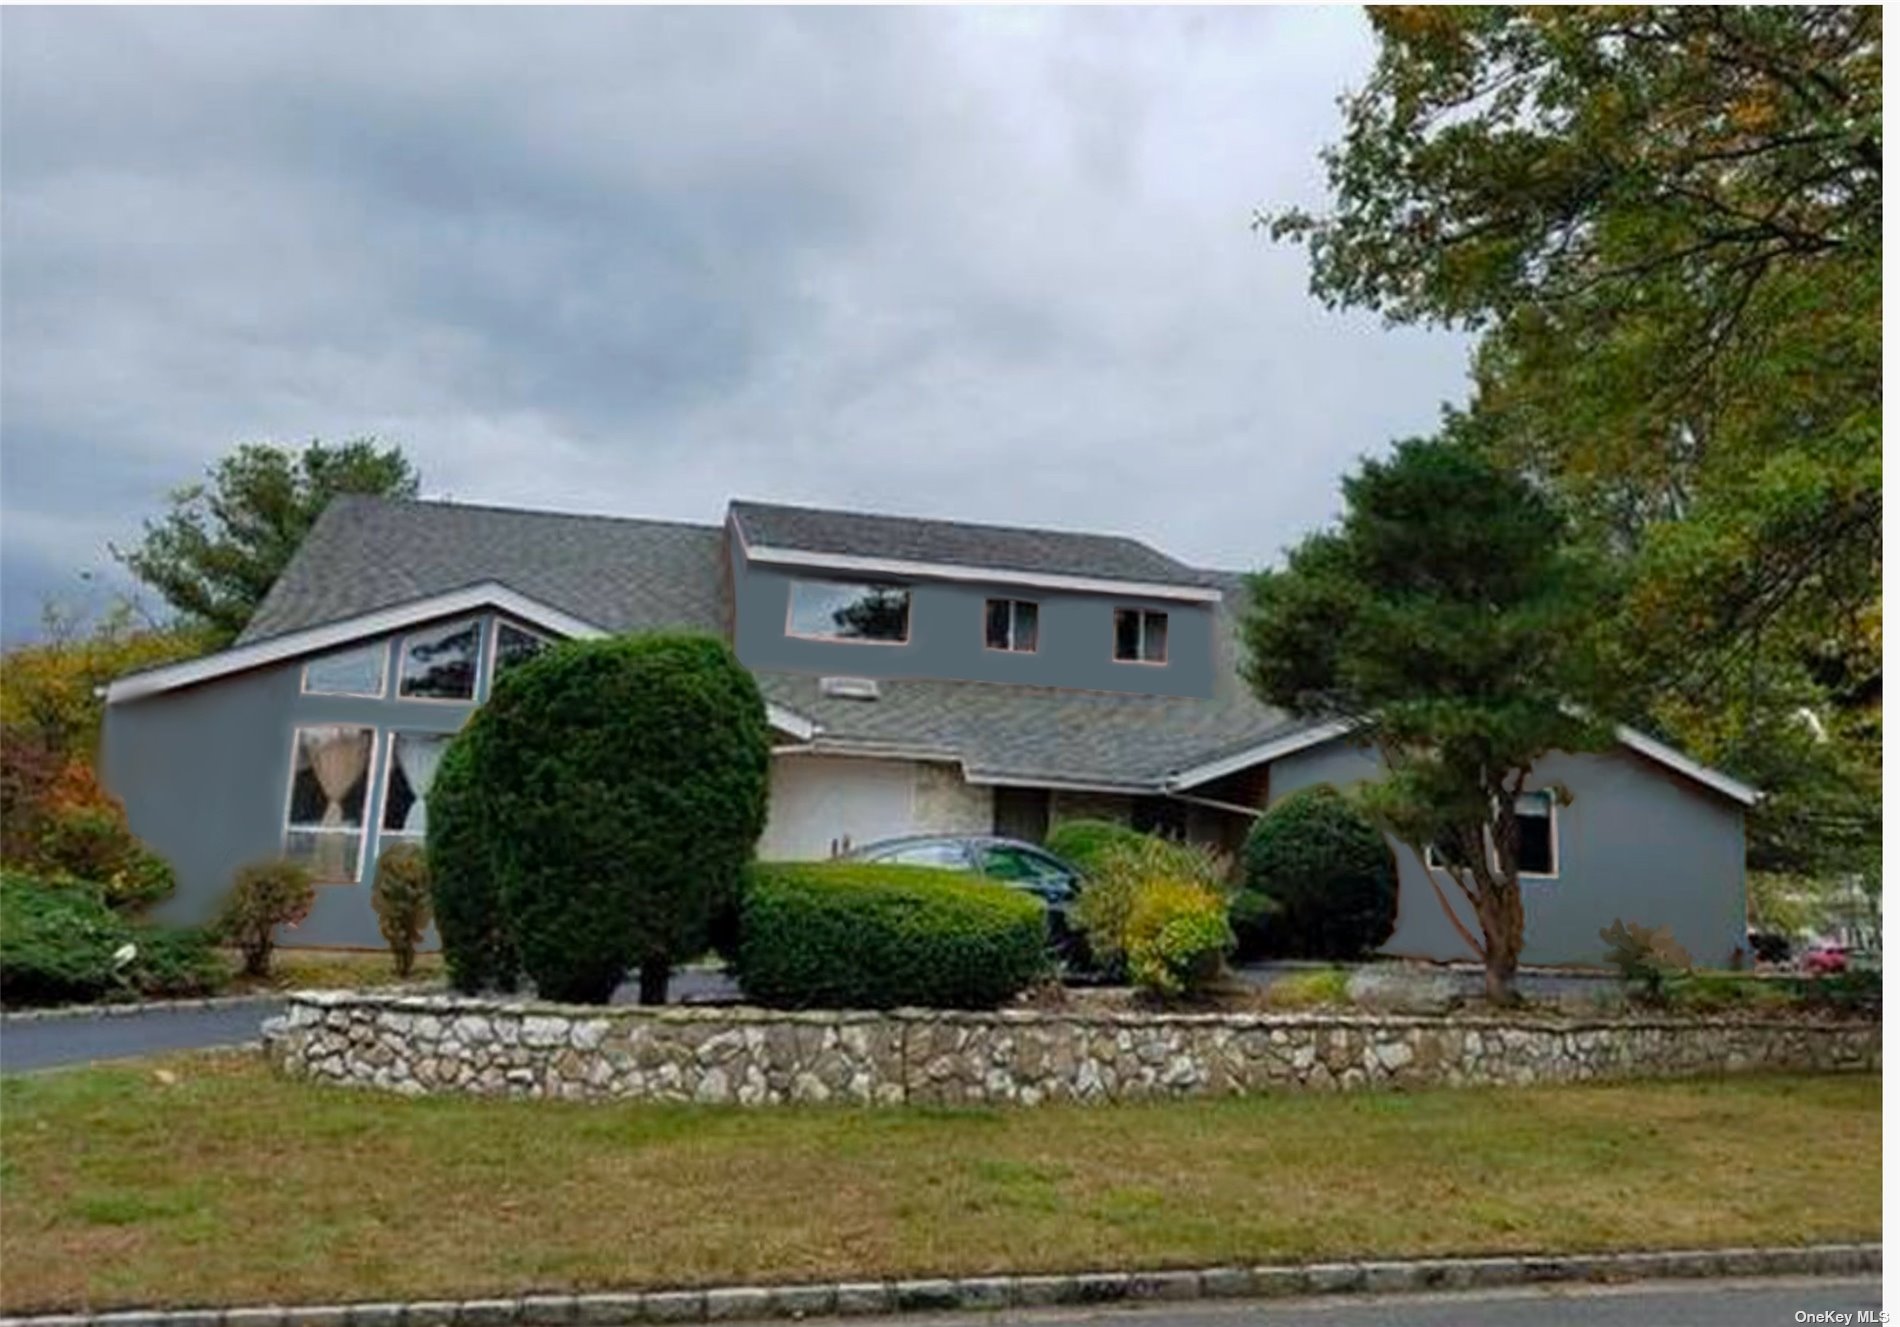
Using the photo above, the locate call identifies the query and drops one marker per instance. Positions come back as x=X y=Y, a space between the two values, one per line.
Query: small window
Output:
x=329 y=787
x=515 y=645
x=356 y=672
x=1537 y=834
x=439 y=664
x=407 y=778
x=1010 y=624
x=1141 y=636
x=832 y=610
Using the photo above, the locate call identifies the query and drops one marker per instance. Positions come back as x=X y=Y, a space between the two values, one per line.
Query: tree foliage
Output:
x=216 y=553
x=1445 y=619
x=1664 y=224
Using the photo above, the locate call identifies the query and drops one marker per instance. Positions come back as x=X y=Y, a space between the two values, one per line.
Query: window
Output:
x=834 y=611
x=1537 y=834
x=439 y=664
x=515 y=645
x=407 y=778
x=329 y=784
x=1010 y=624
x=937 y=852
x=1141 y=636
x=357 y=672
x=1003 y=862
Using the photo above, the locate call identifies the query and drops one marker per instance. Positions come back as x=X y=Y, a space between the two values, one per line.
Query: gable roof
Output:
x=917 y=544
x=367 y=554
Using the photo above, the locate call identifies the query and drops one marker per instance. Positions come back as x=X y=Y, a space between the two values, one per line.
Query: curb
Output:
x=986 y=1293
x=134 y=1008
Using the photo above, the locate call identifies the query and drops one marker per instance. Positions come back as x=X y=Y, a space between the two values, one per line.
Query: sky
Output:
x=981 y=264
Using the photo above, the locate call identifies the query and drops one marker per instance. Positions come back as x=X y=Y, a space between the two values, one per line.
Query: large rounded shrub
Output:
x=1319 y=881
x=620 y=786
x=1084 y=844
x=855 y=935
x=464 y=889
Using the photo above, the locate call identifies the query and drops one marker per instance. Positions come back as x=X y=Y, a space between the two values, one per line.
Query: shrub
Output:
x=59 y=943
x=477 y=947
x=176 y=963
x=263 y=897
x=1854 y=992
x=1646 y=957
x=1176 y=938
x=1325 y=987
x=1082 y=843
x=1325 y=880
x=401 y=899
x=59 y=823
x=620 y=786
x=843 y=935
x=1121 y=870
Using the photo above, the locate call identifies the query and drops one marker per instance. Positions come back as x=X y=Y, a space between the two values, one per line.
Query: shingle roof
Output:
x=369 y=553
x=963 y=543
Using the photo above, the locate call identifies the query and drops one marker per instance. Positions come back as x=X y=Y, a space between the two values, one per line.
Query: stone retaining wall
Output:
x=419 y=1044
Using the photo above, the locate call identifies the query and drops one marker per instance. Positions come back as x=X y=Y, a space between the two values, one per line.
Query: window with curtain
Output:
x=329 y=789
x=413 y=758
x=515 y=645
x=439 y=664
x=357 y=672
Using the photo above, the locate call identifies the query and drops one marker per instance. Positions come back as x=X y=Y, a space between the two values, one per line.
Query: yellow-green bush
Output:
x=1121 y=870
x=1176 y=937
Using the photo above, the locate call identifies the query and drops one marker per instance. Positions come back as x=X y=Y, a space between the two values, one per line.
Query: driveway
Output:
x=46 y=1043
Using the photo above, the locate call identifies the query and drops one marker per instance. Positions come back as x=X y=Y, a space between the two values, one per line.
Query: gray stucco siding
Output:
x=1075 y=637
x=204 y=772
x=1637 y=843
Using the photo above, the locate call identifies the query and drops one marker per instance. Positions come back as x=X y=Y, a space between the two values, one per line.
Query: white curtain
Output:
x=338 y=757
x=419 y=757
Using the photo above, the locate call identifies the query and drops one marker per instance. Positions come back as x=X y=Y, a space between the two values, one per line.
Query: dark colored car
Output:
x=1009 y=862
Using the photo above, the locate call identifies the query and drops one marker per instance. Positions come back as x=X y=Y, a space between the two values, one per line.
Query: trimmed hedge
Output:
x=477 y=948
x=1319 y=881
x=865 y=935
x=612 y=792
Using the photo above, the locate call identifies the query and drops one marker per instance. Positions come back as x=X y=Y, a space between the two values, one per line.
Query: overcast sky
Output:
x=984 y=264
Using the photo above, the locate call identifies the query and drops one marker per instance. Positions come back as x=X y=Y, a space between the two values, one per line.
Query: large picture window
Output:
x=329 y=787
x=833 y=610
x=1141 y=636
x=439 y=663
x=357 y=672
x=410 y=773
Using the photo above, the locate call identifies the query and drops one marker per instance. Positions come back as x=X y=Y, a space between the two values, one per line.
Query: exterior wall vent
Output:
x=848 y=688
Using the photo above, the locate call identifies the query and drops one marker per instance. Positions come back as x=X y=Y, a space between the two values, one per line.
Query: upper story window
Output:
x=834 y=610
x=1010 y=624
x=515 y=645
x=439 y=663
x=357 y=672
x=1141 y=636
x=1537 y=834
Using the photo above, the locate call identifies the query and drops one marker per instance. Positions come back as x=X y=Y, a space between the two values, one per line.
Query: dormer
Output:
x=852 y=593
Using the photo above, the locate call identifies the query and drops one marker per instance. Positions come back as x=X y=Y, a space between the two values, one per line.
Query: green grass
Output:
x=1321 y=987
x=229 y=1184
x=333 y=969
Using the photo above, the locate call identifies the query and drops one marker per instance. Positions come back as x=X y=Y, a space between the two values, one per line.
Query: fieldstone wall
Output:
x=420 y=1044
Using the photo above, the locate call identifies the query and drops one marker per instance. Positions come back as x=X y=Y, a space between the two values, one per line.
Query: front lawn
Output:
x=213 y=1181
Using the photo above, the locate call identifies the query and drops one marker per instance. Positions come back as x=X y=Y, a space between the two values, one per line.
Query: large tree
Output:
x=1445 y=619
x=216 y=553
x=1664 y=224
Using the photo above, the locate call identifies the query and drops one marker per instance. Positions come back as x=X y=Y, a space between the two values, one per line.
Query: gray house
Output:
x=921 y=676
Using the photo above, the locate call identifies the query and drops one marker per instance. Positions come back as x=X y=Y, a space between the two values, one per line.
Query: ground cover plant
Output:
x=124 y=1188
x=61 y=943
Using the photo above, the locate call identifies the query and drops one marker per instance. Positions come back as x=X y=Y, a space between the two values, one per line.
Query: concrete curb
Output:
x=986 y=1293
x=133 y=1008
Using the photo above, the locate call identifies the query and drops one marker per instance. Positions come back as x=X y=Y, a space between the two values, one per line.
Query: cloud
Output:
x=990 y=264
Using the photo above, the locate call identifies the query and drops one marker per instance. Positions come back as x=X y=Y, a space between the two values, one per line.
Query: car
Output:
x=1825 y=959
x=1007 y=861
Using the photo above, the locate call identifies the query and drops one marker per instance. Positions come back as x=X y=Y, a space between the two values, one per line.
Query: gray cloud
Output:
x=989 y=264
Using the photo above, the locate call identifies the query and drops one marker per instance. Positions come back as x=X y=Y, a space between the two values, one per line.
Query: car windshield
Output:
x=937 y=852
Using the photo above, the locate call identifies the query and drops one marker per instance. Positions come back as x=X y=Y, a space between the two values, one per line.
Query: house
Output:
x=921 y=675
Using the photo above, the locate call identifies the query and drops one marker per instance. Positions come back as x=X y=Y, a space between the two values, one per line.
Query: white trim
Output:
x=1195 y=775
x=487 y=594
x=1556 y=847
x=953 y=571
x=1646 y=745
x=382 y=674
x=1640 y=743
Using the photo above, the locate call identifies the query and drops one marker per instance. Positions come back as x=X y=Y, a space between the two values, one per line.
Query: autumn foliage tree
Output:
x=1664 y=223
